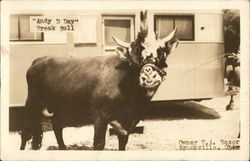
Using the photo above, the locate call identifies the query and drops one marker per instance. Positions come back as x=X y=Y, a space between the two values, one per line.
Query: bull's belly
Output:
x=72 y=115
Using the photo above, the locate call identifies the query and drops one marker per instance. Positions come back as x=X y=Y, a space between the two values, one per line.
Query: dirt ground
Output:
x=163 y=128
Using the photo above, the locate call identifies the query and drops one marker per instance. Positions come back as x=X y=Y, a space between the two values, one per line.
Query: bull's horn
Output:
x=46 y=113
x=118 y=127
x=121 y=43
x=144 y=25
x=143 y=16
x=170 y=36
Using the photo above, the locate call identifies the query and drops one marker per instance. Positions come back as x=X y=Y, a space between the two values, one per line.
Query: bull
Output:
x=113 y=89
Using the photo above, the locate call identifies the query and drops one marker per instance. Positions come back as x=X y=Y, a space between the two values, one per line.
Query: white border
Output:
x=16 y=6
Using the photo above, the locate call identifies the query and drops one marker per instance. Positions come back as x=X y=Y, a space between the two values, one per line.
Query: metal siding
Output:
x=204 y=82
x=212 y=24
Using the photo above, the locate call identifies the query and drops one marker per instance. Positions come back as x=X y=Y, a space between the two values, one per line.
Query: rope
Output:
x=196 y=67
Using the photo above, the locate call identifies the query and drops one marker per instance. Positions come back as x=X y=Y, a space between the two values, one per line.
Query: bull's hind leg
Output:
x=58 y=129
x=31 y=125
x=25 y=133
x=37 y=136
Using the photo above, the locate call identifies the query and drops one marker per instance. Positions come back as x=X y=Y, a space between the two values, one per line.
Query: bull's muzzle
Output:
x=150 y=76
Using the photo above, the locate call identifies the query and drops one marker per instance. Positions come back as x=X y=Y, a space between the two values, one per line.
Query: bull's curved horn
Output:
x=46 y=113
x=170 y=36
x=121 y=43
x=118 y=127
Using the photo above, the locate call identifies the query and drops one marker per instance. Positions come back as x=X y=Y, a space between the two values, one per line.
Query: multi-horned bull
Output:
x=113 y=89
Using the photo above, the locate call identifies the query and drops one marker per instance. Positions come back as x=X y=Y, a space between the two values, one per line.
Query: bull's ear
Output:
x=122 y=52
x=172 y=44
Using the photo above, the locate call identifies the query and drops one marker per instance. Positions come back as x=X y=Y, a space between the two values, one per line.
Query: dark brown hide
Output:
x=106 y=87
x=83 y=83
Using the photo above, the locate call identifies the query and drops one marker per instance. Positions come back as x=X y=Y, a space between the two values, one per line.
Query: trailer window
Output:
x=164 y=24
x=122 y=27
x=20 y=29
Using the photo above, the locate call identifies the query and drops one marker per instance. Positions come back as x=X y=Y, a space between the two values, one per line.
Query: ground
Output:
x=163 y=128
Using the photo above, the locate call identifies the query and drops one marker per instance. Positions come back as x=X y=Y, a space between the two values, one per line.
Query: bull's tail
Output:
x=32 y=125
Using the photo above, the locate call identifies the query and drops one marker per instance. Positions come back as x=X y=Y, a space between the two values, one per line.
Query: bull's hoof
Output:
x=230 y=107
x=98 y=148
x=63 y=147
x=36 y=146
x=122 y=149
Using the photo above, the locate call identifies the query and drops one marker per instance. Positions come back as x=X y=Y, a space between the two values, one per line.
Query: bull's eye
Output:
x=161 y=52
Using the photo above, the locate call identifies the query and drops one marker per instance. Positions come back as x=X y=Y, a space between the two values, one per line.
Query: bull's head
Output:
x=148 y=54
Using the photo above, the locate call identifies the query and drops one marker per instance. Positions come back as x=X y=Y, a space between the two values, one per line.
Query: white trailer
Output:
x=196 y=67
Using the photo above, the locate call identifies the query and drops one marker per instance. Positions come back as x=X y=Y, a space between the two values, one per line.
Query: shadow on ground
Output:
x=157 y=110
x=72 y=147
x=77 y=147
x=180 y=110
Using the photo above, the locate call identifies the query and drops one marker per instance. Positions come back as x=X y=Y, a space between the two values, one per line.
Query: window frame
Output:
x=26 y=40
x=177 y=16
x=117 y=17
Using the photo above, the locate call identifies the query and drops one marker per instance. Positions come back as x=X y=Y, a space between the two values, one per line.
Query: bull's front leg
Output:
x=100 y=128
x=123 y=140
